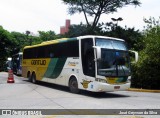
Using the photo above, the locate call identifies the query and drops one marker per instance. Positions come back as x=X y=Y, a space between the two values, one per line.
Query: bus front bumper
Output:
x=104 y=87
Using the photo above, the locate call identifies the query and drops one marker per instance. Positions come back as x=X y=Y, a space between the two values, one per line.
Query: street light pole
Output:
x=116 y=20
x=27 y=33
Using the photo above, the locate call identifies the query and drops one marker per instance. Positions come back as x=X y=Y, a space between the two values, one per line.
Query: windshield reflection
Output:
x=111 y=44
x=114 y=58
x=114 y=63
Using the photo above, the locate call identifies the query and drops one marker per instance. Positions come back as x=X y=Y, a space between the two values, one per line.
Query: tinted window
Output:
x=87 y=52
x=66 y=49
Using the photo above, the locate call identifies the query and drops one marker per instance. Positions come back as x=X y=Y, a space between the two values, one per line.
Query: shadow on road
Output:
x=103 y=94
x=82 y=92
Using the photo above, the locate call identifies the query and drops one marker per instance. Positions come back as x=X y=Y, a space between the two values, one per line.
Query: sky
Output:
x=46 y=15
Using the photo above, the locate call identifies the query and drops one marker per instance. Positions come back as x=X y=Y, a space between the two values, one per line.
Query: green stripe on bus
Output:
x=122 y=79
x=67 y=40
x=55 y=67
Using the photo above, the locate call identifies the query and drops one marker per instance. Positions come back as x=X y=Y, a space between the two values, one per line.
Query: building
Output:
x=65 y=29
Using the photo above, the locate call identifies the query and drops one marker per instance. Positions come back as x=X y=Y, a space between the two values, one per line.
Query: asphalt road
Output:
x=25 y=95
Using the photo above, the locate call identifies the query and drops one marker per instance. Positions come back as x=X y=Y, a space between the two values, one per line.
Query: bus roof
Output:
x=96 y=36
x=62 y=40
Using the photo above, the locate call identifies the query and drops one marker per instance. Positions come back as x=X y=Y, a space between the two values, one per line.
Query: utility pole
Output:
x=116 y=20
x=30 y=40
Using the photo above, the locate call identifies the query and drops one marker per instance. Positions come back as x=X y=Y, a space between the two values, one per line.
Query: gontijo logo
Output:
x=38 y=62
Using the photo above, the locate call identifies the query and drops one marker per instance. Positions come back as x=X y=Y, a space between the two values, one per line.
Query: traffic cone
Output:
x=10 y=77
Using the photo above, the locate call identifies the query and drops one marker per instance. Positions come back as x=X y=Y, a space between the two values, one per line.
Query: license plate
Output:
x=117 y=87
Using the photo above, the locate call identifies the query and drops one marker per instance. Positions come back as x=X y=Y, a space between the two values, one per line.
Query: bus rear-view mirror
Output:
x=134 y=56
x=98 y=53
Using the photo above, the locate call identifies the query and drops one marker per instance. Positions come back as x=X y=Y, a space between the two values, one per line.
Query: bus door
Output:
x=87 y=56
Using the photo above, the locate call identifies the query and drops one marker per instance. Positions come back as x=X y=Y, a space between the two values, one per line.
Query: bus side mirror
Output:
x=135 y=55
x=98 y=52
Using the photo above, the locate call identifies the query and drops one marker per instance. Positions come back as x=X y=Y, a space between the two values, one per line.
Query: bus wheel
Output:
x=73 y=85
x=29 y=76
x=33 y=78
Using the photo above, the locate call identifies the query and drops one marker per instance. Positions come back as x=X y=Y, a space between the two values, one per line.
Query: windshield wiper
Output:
x=119 y=62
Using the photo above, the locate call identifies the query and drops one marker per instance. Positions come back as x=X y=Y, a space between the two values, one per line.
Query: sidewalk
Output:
x=143 y=90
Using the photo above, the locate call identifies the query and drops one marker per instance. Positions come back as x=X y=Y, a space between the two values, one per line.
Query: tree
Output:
x=76 y=30
x=95 y=8
x=6 y=46
x=82 y=29
x=23 y=40
x=20 y=40
x=130 y=35
x=46 y=36
x=146 y=71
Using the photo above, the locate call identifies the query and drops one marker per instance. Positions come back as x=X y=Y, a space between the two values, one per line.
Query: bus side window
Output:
x=87 y=52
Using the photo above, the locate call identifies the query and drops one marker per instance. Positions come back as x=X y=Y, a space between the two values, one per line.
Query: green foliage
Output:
x=35 y=40
x=95 y=8
x=21 y=41
x=14 y=42
x=130 y=35
x=76 y=30
x=26 y=39
x=146 y=71
x=46 y=36
x=49 y=35
x=6 y=46
x=82 y=29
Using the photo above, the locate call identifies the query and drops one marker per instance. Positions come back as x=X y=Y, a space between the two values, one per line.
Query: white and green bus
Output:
x=92 y=63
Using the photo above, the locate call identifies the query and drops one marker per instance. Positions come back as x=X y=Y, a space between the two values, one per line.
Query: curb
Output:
x=143 y=90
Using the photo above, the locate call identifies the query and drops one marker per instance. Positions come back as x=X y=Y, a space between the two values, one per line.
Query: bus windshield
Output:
x=114 y=60
x=111 y=44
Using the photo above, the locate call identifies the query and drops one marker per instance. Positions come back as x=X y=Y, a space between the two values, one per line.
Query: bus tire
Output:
x=33 y=78
x=73 y=85
x=29 y=76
